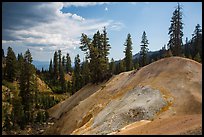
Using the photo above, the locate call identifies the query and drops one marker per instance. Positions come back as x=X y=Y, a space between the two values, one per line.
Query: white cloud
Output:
x=76 y=17
x=117 y=26
x=62 y=32
x=134 y=3
x=41 y=49
x=83 y=4
x=106 y=9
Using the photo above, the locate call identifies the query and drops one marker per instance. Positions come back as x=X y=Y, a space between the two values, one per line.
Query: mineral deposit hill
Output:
x=164 y=97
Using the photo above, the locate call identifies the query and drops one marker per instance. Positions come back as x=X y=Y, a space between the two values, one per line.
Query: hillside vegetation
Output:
x=46 y=99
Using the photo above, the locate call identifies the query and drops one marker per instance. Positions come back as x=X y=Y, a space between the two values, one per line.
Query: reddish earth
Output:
x=179 y=80
x=167 y=126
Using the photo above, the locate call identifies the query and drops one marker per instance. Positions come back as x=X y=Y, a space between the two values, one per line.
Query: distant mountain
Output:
x=44 y=64
x=41 y=64
x=150 y=53
x=137 y=55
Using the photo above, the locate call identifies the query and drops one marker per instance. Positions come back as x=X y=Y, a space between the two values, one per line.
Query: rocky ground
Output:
x=197 y=131
x=164 y=97
x=142 y=103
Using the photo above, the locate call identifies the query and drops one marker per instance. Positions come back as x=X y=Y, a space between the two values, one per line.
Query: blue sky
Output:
x=45 y=27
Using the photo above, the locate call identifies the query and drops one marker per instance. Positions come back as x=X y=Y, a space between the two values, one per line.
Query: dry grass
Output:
x=68 y=77
x=42 y=86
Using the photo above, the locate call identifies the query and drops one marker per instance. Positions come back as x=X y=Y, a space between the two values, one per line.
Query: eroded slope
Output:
x=174 y=88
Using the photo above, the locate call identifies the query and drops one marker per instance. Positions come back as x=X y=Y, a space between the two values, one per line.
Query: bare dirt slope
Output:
x=164 y=97
x=42 y=86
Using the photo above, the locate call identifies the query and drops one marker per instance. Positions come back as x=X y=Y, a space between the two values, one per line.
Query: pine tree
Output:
x=19 y=65
x=42 y=70
x=168 y=53
x=187 y=48
x=96 y=58
x=62 y=81
x=144 y=49
x=63 y=63
x=59 y=61
x=56 y=69
x=85 y=72
x=197 y=58
x=136 y=64
x=176 y=33
x=3 y=64
x=11 y=68
x=51 y=68
x=112 y=67
x=105 y=52
x=68 y=64
x=86 y=45
x=2 y=52
x=97 y=51
x=120 y=67
x=28 y=86
x=91 y=52
x=162 y=52
x=18 y=113
x=128 y=53
x=69 y=87
x=197 y=39
x=77 y=73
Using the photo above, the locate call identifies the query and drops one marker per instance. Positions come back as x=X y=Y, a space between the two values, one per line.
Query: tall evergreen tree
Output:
x=2 y=52
x=70 y=87
x=96 y=59
x=18 y=113
x=112 y=67
x=97 y=51
x=3 y=64
x=60 y=60
x=128 y=53
x=86 y=45
x=68 y=63
x=63 y=63
x=11 y=65
x=62 y=81
x=77 y=69
x=85 y=72
x=105 y=52
x=56 y=69
x=162 y=52
x=51 y=68
x=121 y=66
x=197 y=39
x=136 y=64
x=187 y=48
x=168 y=53
x=19 y=65
x=77 y=73
x=197 y=57
x=28 y=86
x=175 y=32
x=144 y=49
